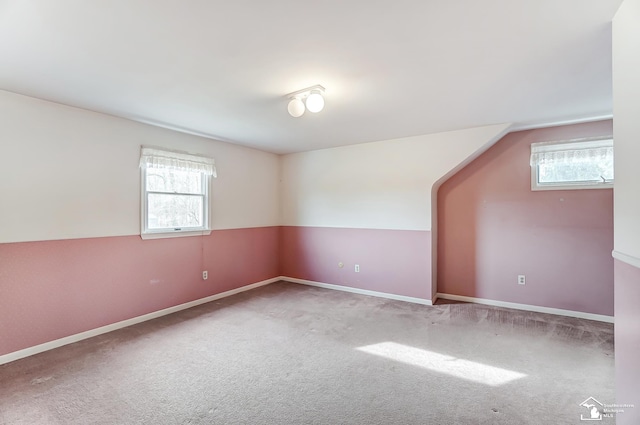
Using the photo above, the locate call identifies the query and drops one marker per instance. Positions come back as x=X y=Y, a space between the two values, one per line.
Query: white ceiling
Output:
x=391 y=69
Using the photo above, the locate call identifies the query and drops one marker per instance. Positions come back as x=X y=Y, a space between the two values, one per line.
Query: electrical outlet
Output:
x=205 y=275
x=521 y=279
x=357 y=268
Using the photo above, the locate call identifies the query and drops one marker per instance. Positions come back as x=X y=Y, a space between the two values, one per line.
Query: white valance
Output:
x=571 y=152
x=158 y=158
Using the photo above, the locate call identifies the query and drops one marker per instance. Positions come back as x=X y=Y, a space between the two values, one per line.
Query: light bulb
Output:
x=295 y=107
x=315 y=102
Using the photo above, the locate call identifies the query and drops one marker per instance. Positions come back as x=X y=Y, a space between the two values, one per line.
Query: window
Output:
x=175 y=193
x=578 y=164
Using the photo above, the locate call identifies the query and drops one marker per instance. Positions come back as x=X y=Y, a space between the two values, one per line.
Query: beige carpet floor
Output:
x=292 y=354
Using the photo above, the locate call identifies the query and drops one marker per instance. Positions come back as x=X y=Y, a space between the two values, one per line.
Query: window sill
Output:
x=573 y=186
x=181 y=234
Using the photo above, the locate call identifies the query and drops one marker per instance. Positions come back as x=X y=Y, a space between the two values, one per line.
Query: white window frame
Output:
x=184 y=159
x=566 y=145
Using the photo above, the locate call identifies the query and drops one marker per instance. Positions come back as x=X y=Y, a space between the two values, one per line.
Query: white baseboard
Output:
x=625 y=258
x=16 y=355
x=527 y=307
x=358 y=291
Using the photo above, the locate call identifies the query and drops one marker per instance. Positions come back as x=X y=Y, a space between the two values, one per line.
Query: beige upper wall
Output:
x=626 y=129
x=71 y=173
x=379 y=185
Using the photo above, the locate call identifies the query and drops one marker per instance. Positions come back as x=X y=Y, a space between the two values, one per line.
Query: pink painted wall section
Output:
x=627 y=335
x=391 y=261
x=53 y=289
x=492 y=228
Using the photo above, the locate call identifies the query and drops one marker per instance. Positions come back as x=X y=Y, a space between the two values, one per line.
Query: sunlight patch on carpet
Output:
x=459 y=368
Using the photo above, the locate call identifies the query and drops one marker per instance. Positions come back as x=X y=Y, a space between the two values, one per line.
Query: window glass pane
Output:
x=173 y=181
x=588 y=171
x=174 y=211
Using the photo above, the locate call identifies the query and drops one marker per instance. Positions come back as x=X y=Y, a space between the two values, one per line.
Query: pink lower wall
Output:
x=627 y=336
x=53 y=289
x=492 y=228
x=391 y=261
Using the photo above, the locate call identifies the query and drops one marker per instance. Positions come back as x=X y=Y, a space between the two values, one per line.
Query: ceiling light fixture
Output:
x=312 y=98
x=296 y=107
